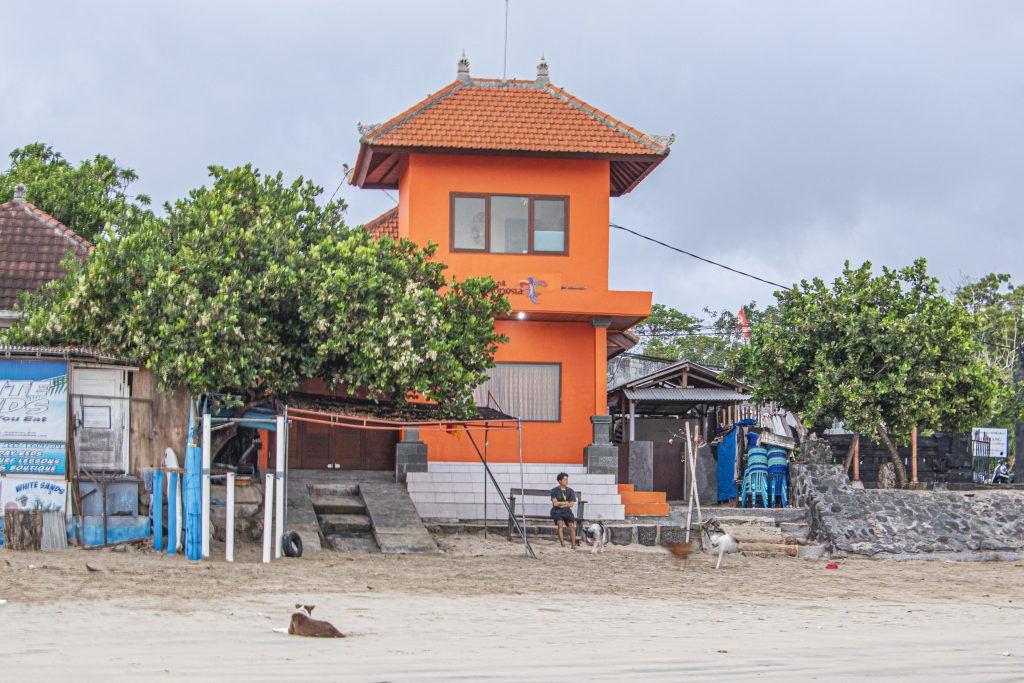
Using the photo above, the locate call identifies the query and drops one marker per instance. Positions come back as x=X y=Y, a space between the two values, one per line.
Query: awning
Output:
x=680 y=395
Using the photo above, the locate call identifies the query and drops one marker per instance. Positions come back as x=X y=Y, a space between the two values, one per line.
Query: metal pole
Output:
x=486 y=440
x=268 y=508
x=207 y=456
x=522 y=485
x=279 y=464
x=229 y=520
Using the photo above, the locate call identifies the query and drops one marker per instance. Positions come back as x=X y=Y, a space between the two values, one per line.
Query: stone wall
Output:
x=941 y=458
x=902 y=524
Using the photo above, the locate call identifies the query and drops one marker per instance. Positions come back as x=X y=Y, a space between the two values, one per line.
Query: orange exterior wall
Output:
x=576 y=289
x=571 y=345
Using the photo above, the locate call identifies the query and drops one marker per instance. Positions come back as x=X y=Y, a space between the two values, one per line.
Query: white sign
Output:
x=995 y=438
x=32 y=493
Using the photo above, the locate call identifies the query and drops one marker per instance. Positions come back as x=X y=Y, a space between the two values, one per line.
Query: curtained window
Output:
x=531 y=391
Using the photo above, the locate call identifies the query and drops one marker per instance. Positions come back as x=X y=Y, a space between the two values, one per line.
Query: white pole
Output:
x=279 y=462
x=268 y=508
x=522 y=482
x=207 y=456
x=229 y=520
x=632 y=420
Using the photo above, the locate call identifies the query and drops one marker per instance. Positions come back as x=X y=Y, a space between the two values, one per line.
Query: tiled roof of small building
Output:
x=384 y=224
x=32 y=245
x=517 y=116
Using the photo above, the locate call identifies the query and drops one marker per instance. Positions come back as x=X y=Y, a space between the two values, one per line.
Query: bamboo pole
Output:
x=913 y=454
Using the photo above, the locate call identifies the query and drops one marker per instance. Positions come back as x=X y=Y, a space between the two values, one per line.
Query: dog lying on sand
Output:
x=302 y=624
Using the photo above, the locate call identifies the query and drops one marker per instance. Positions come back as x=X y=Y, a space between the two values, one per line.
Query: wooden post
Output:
x=856 y=457
x=913 y=454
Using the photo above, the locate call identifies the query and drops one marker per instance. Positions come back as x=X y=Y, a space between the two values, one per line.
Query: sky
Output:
x=807 y=132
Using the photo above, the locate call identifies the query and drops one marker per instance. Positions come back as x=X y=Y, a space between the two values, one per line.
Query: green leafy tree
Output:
x=879 y=353
x=998 y=306
x=85 y=198
x=250 y=286
x=712 y=340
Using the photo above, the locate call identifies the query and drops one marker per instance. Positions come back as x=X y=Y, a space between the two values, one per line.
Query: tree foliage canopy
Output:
x=85 y=198
x=998 y=306
x=250 y=286
x=885 y=352
x=712 y=340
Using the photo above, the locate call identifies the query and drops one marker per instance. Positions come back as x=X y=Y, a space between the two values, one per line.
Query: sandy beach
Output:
x=480 y=610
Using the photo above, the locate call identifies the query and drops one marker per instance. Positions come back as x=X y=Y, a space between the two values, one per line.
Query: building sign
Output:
x=33 y=416
x=529 y=286
x=27 y=493
x=995 y=438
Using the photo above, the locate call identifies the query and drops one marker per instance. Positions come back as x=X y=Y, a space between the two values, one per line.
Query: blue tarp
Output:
x=727 y=467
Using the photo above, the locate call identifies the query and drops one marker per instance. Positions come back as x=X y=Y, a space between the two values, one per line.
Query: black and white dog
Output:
x=597 y=537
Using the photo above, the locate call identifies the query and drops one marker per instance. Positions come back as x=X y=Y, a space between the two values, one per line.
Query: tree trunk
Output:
x=849 y=454
x=894 y=455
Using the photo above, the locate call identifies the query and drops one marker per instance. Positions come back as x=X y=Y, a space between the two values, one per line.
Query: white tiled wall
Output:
x=456 y=490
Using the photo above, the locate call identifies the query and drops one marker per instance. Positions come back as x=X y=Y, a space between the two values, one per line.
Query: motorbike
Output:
x=1002 y=475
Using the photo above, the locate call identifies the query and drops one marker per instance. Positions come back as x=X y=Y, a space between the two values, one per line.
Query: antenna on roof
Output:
x=504 y=59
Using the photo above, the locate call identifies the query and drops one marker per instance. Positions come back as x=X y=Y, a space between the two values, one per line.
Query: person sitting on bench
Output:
x=562 y=500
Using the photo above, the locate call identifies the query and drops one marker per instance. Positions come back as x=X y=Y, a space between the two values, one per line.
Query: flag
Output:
x=742 y=326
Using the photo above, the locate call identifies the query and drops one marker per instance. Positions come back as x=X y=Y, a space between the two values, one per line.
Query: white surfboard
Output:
x=171 y=460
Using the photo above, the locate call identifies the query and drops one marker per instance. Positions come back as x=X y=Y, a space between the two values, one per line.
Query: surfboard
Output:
x=171 y=460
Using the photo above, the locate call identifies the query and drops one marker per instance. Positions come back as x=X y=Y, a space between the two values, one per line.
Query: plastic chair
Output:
x=755 y=478
x=778 y=476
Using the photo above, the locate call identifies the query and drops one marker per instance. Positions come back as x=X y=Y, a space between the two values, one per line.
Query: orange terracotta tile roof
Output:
x=384 y=224
x=32 y=245
x=515 y=116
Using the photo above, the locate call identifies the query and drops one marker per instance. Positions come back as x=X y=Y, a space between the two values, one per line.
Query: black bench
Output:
x=545 y=494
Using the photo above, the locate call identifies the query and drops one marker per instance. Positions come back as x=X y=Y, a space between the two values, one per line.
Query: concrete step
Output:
x=353 y=544
x=629 y=497
x=339 y=505
x=646 y=509
x=344 y=524
x=768 y=549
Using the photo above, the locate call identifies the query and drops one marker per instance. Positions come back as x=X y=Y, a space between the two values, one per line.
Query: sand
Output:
x=482 y=611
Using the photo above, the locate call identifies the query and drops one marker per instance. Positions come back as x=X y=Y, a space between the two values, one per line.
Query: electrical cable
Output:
x=699 y=258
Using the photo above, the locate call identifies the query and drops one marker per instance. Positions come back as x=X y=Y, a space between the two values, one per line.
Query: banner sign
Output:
x=33 y=416
x=995 y=438
x=26 y=493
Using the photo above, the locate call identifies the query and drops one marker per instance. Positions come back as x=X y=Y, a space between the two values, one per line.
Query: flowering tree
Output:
x=249 y=286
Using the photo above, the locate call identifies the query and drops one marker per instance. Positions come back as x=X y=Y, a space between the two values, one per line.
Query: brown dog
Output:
x=681 y=550
x=303 y=625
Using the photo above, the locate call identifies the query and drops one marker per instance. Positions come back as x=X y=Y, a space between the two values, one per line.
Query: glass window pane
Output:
x=531 y=391
x=549 y=225
x=510 y=225
x=470 y=222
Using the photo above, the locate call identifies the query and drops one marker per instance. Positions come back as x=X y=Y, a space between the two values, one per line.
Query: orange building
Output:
x=512 y=179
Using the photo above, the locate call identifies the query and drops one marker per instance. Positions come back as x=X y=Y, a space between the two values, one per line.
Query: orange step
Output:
x=649 y=509
x=642 y=496
x=626 y=487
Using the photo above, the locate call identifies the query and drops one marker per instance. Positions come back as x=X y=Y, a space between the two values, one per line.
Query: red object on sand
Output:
x=831 y=565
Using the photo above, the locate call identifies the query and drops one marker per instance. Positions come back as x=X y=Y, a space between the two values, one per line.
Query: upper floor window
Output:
x=510 y=224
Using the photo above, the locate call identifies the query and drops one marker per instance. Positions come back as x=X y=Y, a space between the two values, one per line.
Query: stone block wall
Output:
x=902 y=524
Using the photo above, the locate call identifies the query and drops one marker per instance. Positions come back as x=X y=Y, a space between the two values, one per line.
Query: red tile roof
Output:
x=32 y=245
x=519 y=116
x=384 y=224
x=507 y=117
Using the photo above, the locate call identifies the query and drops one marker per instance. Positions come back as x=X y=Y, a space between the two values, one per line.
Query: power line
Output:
x=699 y=258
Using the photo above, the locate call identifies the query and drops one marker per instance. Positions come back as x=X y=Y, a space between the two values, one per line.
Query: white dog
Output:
x=725 y=543
x=597 y=536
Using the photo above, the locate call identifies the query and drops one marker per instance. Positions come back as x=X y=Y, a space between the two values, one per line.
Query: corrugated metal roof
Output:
x=685 y=395
x=61 y=352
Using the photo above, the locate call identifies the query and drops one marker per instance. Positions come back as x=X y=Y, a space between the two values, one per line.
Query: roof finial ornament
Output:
x=463 y=67
x=19 y=193
x=542 y=71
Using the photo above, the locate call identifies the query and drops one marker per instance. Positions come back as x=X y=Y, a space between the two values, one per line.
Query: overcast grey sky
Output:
x=806 y=132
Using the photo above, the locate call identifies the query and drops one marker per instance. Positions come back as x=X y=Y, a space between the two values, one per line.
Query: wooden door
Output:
x=309 y=446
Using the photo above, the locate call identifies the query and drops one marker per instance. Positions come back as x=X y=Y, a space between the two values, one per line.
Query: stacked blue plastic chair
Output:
x=755 y=478
x=778 y=476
